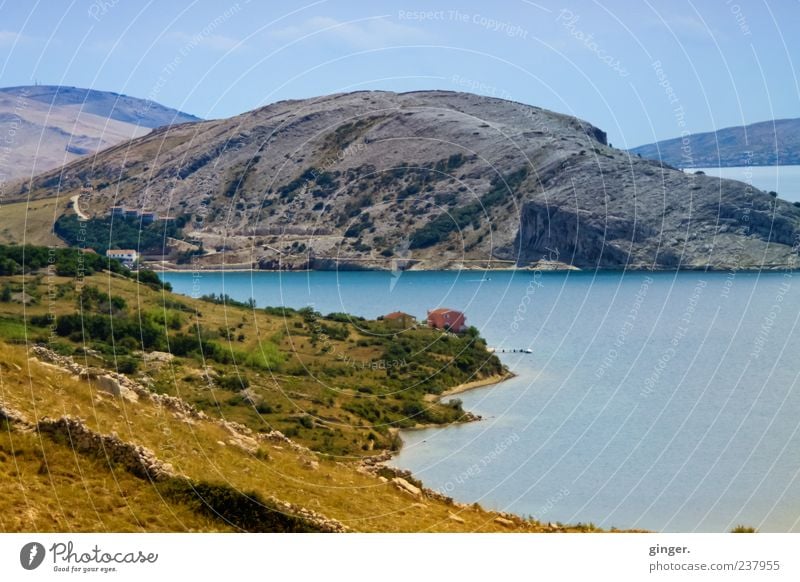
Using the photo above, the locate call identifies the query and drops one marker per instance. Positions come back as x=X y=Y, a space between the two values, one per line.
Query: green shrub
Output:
x=244 y=510
x=106 y=233
x=127 y=365
x=266 y=356
x=234 y=383
x=459 y=218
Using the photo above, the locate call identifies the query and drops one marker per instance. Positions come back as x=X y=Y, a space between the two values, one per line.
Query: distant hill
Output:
x=767 y=143
x=51 y=125
x=423 y=180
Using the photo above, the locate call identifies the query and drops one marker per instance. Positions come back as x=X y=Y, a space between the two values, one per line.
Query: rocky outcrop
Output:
x=322 y=523
x=580 y=239
x=136 y=459
x=140 y=460
x=429 y=179
x=407 y=487
x=278 y=438
x=118 y=385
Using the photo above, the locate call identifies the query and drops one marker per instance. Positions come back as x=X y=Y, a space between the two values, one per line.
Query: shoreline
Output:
x=482 y=383
x=526 y=269
x=459 y=389
x=383 y=460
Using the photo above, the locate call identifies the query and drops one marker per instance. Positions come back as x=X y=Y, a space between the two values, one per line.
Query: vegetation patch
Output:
x=246 y=511
x=102 y=234
x=461 y=217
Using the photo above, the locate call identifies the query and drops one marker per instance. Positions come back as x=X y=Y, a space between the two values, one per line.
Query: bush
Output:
x=127 y=365
x=266 y=356
x=459 y=218
x=282 y=311
x=151 y=279
x=235 y=383
x=225 y=299
x=244 y=510
x=106 y=233
x=15 y=259
x=143 y=330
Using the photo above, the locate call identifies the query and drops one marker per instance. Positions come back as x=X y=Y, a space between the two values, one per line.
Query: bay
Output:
x=663 y=401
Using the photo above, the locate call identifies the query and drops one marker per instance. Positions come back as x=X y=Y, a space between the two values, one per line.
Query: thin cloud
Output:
x=688 y=26
x=8 y=38
x=365 y=34
x=215 y=42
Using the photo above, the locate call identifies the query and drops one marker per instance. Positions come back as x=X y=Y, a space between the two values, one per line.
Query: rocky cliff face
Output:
x=427 y=180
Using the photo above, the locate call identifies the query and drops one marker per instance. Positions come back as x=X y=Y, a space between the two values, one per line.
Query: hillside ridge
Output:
x=765 y=143
x=423 y=180
x=47 y=126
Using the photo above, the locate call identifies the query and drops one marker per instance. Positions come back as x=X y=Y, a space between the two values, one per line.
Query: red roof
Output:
x=442 y=311
x=397 y=315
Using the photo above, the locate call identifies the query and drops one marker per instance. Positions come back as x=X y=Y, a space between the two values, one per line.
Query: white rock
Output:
x=407 y=487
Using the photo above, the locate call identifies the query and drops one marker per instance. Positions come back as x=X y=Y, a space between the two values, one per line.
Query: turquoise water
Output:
x=659 y=401
x=785 y=180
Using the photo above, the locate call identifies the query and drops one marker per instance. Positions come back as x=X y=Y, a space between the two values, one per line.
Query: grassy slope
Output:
x=47 y=487
x=32 y=221
x=324 y=393
x=200 y=450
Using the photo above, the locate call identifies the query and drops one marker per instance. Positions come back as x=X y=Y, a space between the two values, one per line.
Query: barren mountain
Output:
x=44 y=126
x=426 y=180
x=767 y=143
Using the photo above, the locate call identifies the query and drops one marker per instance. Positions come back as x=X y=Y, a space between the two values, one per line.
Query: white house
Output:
x=126 y=256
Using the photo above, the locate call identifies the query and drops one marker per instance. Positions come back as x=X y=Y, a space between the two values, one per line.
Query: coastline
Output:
x=771 y=268
x=484 y=382
x=459 y=389
x=406 y=479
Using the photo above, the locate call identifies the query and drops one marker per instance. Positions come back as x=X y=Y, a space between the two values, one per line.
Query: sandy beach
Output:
x=496 y=379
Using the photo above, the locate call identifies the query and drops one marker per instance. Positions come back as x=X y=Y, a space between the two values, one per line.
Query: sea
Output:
x=662 y=401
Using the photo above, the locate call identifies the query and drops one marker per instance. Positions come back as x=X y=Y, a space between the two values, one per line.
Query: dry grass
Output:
x=32 y=222
x=46 y=487
x=200 y=450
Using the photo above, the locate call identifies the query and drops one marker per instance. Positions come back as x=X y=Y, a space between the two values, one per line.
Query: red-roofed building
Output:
x=449 y=319
x=400 y=319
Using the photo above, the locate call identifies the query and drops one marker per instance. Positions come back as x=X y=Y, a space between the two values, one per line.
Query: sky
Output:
x=641 y=70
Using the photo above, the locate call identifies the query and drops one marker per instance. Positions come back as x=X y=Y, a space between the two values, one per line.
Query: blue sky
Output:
x=639 y=70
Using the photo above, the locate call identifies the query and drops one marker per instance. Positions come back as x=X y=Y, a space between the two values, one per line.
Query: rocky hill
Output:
x=767 y=143
x=46 y=126
x=430 y=179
